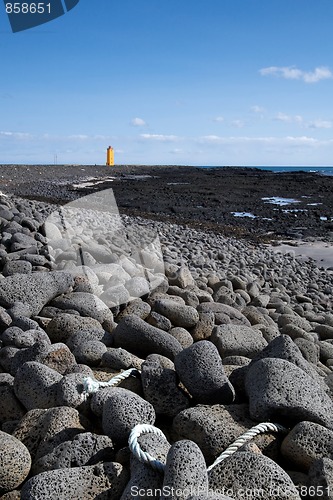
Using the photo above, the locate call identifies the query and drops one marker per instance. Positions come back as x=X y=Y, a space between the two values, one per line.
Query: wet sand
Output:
x=320 y=252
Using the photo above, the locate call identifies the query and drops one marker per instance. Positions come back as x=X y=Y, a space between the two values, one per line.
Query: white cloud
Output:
x=138 y=122
x=320 y=124
x=289 y=140
x=16 y=135
x=160 y=137
x=80 y=137
x=257 y=109
x=238 y=123
x=293 y=73
x=100 y=137
x=219 y=119
x=282 y=117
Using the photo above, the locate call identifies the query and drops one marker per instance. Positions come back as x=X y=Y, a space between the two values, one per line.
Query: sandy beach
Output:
x=320 y=252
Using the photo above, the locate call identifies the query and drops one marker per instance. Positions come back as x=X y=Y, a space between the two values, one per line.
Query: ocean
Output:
x=276 y=169
x=319 y=170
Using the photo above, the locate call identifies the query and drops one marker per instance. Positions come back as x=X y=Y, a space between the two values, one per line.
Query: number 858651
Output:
x=26 y=8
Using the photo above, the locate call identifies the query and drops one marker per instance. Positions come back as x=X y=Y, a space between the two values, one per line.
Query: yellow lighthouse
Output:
x=110 y=157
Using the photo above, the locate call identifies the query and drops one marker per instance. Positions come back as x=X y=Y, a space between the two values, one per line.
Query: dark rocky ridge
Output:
x=200 y=197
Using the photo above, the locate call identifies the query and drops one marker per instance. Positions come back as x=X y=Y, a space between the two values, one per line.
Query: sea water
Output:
x=319 y=170
x=328 y=170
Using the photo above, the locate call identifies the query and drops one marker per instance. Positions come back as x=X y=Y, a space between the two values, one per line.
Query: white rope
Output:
x=156 y=464
x=134 y=446
x=247 y=436
x=90 y=386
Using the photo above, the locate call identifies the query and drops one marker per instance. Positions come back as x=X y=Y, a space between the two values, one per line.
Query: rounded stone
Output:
x=90 y=352
x=138 y=337
x=137 y=307
x=200 y=369
x=309 y=350
x=35 y=289
x=17 y=266
x=122 y=411
x=248 y=471
x=185 y=469
x=87 y=304
x=117 y=359
x=238 y=340
x=159 y=321
x=224 y=313
x=105 y=480
x=70 y=391
x=59 y=358
x=42 y=430
x=320 y=478
x=143 y=476
x=282 y=347
x=10 y=408
x=307 y=442
x=85 y=449
x=63 y=325
x=16 y=337
x=35 y=385
x=213 y=427
x=15 y=462
x=279 y=390
x=178 y=314
x=294 y=319
x=203 y=329
x=182 y=335
x=160 y=386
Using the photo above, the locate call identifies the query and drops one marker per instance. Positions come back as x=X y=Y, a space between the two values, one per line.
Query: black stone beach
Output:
x=221 y=330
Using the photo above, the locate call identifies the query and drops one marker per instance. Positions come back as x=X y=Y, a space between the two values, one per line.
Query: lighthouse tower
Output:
x=110 y=157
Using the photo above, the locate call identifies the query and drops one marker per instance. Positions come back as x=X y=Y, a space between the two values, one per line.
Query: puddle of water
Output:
x=177 y=183
x=138 y=177
x=291 y=210
x=92 y=181
x=276 y=200
x=244 y=214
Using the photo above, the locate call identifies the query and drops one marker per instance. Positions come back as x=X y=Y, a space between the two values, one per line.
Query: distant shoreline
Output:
x=265 y=168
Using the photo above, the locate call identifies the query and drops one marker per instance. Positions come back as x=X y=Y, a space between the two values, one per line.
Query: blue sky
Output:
x=207 y=82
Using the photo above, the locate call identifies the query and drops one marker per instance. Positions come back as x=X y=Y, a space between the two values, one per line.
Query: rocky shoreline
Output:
x=240 y=202
x=226 y=333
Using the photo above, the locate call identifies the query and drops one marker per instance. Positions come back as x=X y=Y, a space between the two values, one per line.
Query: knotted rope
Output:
x=145 y=457
x=90 y=386
x=141 y=455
